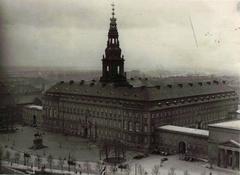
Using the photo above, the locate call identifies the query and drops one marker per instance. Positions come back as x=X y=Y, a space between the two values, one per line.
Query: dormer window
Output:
x=82 y=82
x=71 y=82
x=167 y=103
x=180 y=85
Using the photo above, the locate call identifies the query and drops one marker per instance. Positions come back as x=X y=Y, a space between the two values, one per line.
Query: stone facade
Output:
x=224 y=144
x=32 y=115
x=188 y=142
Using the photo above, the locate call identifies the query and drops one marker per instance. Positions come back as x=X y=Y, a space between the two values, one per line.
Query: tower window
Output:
x=118 y=70
x=107 y=68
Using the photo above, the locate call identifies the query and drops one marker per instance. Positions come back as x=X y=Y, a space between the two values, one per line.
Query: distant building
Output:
x=132 y=110
x=7 y=110
x=32 y=115
x=224 y=144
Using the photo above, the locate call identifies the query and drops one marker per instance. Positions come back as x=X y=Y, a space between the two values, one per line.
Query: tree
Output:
x=140 y=170
x=7 y=155
x=99 y=167
x=50 y=160
x=26 y=157
x=33 y=160
x=87 y=167
x=39 y=160
x=61 y=162
x=186 y=172
x=16 y=157
x=171 y=171
x=128 y=170
x=112 y=169
x=155 y=170
x=1 y=157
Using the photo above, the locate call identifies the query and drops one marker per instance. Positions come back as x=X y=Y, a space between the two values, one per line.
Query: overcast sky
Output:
x=154 y=34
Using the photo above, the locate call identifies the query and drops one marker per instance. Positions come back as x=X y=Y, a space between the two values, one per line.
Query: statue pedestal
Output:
x=38 y=142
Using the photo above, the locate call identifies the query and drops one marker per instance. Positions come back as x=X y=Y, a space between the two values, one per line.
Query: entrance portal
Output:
x=182 y=148
x=34 y=123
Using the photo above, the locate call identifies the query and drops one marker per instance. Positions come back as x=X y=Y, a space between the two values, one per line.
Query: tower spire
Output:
x=113 y=61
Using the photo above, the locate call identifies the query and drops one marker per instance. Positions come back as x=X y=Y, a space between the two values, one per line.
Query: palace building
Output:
x=132 y=110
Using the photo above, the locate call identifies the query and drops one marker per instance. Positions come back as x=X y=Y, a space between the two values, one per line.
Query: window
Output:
x=118 y=69
x=137 y=127
x=145 y=140
x=130 y=126
x=145 y=128
x=125 y=125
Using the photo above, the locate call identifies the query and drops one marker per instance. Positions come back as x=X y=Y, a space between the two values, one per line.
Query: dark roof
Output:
x=142 y=88
x=231 y=143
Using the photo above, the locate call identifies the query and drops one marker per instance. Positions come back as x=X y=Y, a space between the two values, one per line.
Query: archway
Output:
x=182 y=147
x=34 y=123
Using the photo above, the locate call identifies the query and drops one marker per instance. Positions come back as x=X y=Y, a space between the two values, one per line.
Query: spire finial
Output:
x=113 y=9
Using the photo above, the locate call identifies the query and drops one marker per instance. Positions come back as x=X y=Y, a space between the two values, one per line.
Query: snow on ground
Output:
x=83 y=151
x=194 y=168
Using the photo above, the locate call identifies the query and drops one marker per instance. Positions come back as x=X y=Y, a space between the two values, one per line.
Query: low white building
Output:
x=224 y=144
x=32 y=115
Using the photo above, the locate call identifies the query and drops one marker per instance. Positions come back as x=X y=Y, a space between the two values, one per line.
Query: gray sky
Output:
x=154 y=34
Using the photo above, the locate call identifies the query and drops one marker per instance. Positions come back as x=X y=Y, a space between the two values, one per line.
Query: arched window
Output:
x=118 y=70
x=107 y=68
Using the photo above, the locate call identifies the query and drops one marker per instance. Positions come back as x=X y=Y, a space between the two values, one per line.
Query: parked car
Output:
x=140 y=156
x=164 y=153
x=123 y=166
x=164 y=159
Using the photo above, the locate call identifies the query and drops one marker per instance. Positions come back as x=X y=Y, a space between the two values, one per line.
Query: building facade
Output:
x=189 y=143
x=224 y=144
x=32 y=115
x=7 y=110
x=131 y=110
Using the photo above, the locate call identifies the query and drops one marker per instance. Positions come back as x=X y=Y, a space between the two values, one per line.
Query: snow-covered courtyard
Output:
x=83 y=151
